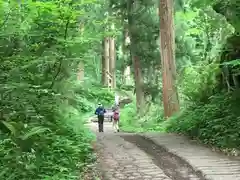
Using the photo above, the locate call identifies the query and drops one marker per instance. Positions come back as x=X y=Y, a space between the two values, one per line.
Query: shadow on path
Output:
x=172 y=165
x=129 y=156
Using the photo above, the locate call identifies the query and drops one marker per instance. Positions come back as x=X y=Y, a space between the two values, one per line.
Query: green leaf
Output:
x=233 y=62
x=34 y=131
x=10 y=127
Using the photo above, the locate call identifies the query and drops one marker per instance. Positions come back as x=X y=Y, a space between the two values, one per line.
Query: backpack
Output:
x=101 y=112
x=116 y=115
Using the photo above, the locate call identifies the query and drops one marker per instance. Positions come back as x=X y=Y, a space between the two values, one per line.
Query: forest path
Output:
x=126 y=156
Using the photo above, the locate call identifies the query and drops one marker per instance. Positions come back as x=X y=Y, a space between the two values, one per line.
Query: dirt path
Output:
x=124 y=156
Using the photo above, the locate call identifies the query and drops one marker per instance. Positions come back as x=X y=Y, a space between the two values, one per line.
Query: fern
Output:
x=34 y=131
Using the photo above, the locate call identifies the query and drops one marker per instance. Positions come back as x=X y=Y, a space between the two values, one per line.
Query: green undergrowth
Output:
x=43 y=107
x=89 y=95
x=151 y=121
x=47 y=150
x=52 y=144
x=215 y=123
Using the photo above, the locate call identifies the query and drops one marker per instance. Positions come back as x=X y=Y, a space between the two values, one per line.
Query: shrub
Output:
x=128 y=118
x=216 y=123
x=42 y=134
x=56 y=149
x=151 y=121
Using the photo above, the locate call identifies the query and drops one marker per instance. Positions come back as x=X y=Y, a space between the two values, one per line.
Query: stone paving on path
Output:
x=213 y=165
x=126 y=156
x=122 y=160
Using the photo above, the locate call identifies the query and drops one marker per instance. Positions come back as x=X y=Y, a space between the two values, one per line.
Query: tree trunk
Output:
x=138 y=84
x=127 y=75
x=167 y=42
x=126 y=71
x=112 y=61
x=105 y=68
x=135 y=59
x=81 y=72
x=103 y=63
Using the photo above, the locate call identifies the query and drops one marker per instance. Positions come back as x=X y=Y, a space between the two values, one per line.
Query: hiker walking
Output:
x=111 y=117
x=100 y=111
x=116 y=117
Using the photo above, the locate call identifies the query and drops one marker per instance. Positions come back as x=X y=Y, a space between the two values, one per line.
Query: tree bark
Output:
x=167 y=43
x=135 y=59
x=112 y=61
x=81 y=71
x=127 y=75
x=126 y=71
x=105 y=68
x=103 y=63
x=139 y=85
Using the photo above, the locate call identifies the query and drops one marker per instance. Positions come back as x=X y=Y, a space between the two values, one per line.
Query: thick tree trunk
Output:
x=139 y=85
x=127 y=75
x=103 y=63
x=135 y=59
x=112 y=61
x=81 y=71
x=126 y=69
x=105 y=68
x=167 y=41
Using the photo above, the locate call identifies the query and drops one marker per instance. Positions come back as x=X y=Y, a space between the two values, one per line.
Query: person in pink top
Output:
x=116 y=117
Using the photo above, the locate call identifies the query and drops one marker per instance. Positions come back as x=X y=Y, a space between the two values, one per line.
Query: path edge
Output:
x=96 y=149
x=148 y=136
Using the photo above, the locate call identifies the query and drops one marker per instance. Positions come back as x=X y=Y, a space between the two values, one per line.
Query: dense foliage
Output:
x=214 y=123
x=42 y=105
x=207 y=58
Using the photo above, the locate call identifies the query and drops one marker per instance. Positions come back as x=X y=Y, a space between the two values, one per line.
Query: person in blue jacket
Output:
x=100 y=111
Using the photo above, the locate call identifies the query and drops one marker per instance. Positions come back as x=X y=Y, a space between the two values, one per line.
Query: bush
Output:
x=51 y=142
x=198 y=82
x=51 y=150
x=216 y=123
x=88 y=95
x=42 y=108
x=151 y=121
x=128 y=118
